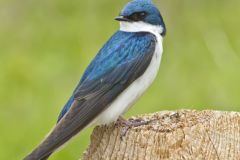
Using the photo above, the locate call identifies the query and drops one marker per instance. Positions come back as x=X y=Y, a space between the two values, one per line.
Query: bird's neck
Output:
x=141 y=27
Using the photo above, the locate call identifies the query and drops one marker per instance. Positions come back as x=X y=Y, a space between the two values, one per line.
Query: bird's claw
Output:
x=126 y=125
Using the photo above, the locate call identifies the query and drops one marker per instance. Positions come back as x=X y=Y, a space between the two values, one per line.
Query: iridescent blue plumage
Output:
x=154 y=17
x=119 y=74
x=122 y=48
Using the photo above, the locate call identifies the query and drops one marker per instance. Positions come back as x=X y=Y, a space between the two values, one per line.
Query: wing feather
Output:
x=93 y=96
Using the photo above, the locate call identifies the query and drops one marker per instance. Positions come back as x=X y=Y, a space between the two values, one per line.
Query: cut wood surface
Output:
x=173 y=135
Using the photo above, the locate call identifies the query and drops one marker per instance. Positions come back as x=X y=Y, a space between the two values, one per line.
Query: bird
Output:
x=116 y=78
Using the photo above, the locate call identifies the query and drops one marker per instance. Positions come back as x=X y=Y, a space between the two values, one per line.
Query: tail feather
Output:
x=67 y=128
x=36 y=157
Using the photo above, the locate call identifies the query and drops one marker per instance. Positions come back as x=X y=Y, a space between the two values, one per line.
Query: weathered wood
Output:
x=180 y=135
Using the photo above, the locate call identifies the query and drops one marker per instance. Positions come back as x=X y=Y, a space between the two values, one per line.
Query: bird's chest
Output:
x=127 y=98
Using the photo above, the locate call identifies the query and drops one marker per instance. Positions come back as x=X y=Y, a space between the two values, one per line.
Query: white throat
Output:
x=141 y=27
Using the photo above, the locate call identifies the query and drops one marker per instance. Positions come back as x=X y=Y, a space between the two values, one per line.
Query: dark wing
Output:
x=94 y=95
x=122 y=47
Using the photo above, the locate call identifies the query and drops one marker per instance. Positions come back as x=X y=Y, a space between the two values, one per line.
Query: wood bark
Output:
x=170 y=135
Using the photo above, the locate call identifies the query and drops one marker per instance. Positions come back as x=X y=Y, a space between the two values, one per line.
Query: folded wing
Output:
x=106 y=77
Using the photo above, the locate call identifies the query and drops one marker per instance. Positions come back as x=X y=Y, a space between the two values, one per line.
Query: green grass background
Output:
x=45 y=47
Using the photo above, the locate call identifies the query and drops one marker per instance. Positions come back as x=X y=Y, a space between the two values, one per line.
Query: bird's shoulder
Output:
x=122 y=47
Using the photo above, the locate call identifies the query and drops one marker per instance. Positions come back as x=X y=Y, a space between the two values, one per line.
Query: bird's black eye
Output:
x=137 y=16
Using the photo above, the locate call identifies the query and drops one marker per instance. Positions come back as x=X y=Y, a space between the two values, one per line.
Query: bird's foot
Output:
x=126 y=125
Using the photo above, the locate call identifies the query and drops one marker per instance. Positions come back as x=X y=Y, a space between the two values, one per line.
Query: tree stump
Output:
x=180 y=135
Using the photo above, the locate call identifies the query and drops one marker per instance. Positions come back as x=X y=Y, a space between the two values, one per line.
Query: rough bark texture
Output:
x=186 y=135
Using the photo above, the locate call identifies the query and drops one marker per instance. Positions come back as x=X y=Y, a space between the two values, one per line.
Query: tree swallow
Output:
x=119 y=74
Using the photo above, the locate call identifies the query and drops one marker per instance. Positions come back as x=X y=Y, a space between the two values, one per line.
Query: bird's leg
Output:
x=131 y=123
x=128 y=124
x=121 y=121
x=138 y=122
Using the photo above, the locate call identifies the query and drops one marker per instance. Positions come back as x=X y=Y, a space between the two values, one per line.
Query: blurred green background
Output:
x=45 y=47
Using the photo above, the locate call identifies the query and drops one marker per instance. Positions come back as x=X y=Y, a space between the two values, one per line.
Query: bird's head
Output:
x=142 y=12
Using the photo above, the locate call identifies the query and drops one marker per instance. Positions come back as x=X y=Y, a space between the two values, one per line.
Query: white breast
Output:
x=127 y=98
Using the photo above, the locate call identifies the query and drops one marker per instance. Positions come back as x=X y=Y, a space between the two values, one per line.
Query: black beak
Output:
x=122 y=18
